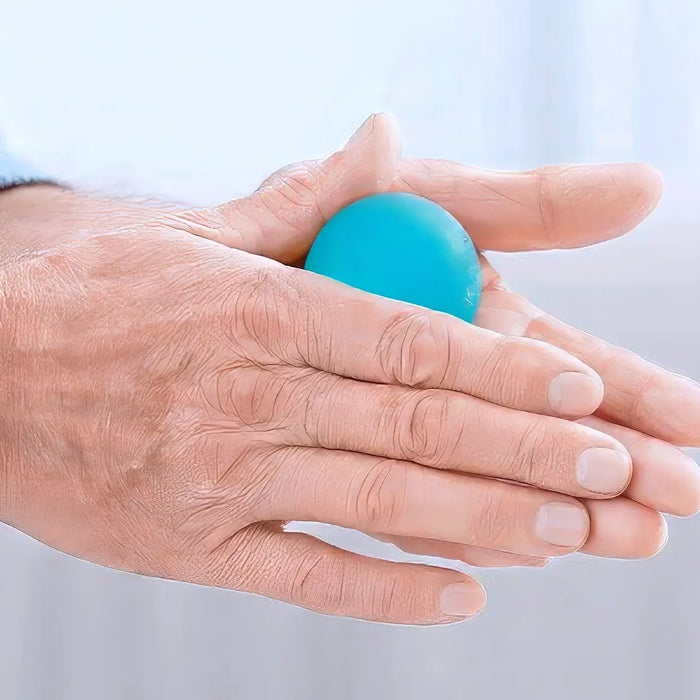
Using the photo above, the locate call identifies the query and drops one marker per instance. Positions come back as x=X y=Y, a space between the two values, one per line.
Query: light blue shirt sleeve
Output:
x=14 y=170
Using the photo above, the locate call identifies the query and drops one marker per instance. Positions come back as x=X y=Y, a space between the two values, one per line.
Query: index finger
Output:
x=315 y=321
x=547 y=208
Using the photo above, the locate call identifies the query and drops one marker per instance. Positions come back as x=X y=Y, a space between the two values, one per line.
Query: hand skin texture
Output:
x=173 y=395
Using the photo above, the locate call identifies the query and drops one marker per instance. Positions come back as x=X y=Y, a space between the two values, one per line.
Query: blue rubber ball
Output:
x=403 y=247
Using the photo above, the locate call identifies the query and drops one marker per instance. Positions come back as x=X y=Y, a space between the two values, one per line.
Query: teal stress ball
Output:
x=403 y=247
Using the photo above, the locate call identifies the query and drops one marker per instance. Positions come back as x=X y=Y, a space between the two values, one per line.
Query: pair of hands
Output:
x=169 y=402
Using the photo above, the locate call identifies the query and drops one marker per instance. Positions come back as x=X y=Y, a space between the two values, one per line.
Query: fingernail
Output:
x=575 y=394
x=562 y=524
x=604 y=470
x=462 y=599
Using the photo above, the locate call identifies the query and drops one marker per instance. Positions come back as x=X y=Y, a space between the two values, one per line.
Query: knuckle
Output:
x=492 y=371
x=331 y=584
x=545 y=203
x=380 y=498
x=422 y=430
x=494 y=518
x=601 y=354
x=392 y=597
x=234 y=563
x=639 y=408
x=250 y=397
x=603 y=357
x=413 y=352
x=311 y=576
x=500 y=372
x=292 y=194
x=318 y=399
x=247 y=483
x=259 y=314
x=234 y=492
x=537 y=452
x=309 y=341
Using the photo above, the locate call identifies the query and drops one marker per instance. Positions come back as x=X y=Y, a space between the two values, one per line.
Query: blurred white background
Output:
x=199 y=102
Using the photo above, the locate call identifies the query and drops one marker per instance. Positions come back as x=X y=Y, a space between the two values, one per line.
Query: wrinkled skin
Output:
x=169 y=402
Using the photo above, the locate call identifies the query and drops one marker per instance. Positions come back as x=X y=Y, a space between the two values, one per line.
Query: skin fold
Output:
x=175 y=390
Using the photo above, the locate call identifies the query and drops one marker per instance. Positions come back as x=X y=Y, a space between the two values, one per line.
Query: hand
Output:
x=646 y=408
x=169 y=403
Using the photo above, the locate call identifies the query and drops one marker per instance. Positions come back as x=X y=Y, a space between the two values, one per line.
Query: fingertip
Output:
x=362 y=132
x=650 y=183
x=690 y=507
x=367 y=164
x=382 y=128
x=387 y=137
x=624 y=529
x=658 y=543
x=593 y=203
x=686 y=478
x=386 y=123
x=640 y=188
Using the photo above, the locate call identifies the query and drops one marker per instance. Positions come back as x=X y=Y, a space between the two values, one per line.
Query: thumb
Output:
x=281 y=219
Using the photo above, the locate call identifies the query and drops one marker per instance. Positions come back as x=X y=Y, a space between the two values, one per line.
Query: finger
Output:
x=282 y=218
x=305 y=571
x=433 y=427
x=624 y=529
x=664 y=477
x=618 y=529
x=547 y=208
x=399 y=498
x=321 y=323
x=638 y=394
x=474 y=556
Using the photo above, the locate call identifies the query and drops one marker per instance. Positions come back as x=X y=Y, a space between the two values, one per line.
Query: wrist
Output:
x=29 y=215
x=41 y=216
